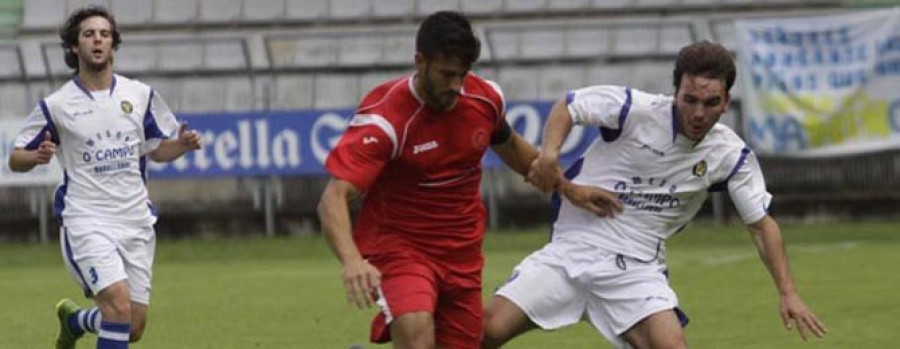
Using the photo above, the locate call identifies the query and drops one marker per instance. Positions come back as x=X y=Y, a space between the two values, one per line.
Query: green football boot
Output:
x=65 y=339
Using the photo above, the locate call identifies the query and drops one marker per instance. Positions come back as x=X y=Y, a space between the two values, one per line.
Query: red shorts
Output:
x=451 y=293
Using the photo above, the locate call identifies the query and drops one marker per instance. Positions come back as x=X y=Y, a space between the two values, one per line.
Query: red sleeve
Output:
x=360 y=156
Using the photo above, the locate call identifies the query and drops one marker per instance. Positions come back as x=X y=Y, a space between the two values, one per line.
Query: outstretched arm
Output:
x=360 y=278
x=171 y=149
x=516 y=153
x=794 y=313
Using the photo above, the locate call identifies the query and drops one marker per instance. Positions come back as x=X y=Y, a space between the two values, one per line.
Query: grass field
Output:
x=286 y=292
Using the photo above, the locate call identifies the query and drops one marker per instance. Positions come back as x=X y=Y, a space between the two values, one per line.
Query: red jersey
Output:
x=420 y=170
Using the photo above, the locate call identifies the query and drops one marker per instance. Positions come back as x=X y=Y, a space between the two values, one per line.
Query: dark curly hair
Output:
x=450 y=34
x=706 y=59
x=72 y=28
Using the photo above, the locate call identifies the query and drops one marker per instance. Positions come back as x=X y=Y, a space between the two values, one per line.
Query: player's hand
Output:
x=361 y=279
x=794 y=313
x=594 y=199
x=45 y=150
x=544 y=173
x=189 y=139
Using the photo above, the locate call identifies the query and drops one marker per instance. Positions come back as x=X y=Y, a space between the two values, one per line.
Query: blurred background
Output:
x=271 y=83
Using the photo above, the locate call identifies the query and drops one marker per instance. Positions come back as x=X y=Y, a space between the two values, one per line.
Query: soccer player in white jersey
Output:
x=102 y=127
x=647 y=176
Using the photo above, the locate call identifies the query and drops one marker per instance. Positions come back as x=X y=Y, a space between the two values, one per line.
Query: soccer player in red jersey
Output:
x=414 y=148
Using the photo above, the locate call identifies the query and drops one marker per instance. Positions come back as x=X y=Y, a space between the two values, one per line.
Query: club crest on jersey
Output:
x=127 y=108
x=700 y=168
x=480 y=139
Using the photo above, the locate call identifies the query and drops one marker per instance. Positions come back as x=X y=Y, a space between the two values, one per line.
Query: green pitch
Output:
x=286 y=292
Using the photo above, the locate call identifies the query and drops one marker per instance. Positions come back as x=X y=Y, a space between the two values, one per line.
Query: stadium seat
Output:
x=9 y=62
x=292 y=92
x=170 y=89
x=181 y=56
x=588 y=41
x=653 y=77
x=662 y=4
x=608 y=74
x=673 y=38
x=219 y=11
x=526 y=6
x=481 y=6
x=136 y=57
x=203 y=94
x=239 y=95
x=723 y=32
x=503 y=44
x=393 y=8
x=174 y=11
x=399 y=48
x=349 y=9
x=43 y=13
x=14 y=101
x=72 y=5
x=264 y=10
x=55 y=60
x=368 y=81
x=306 y=10
x=568 y=5
x=336 y=91
x=542 y=44
x=635 y=40
x=556 y=80
x=225 y=55
x=360 y=50
x=518 y=83
x=700 y=2
x=130 y=12
x=612 y=4
x=316 y=51
x=427 y=7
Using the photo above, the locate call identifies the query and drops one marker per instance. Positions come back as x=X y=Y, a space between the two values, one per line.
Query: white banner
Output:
x=821 y=85
x=48 y=174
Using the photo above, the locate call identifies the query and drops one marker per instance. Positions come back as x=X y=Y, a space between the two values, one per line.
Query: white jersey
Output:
x=102 y=138
x=661 y=177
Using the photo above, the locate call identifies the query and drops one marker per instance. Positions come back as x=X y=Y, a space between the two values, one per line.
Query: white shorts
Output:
x=99 y=255
x=564 y=283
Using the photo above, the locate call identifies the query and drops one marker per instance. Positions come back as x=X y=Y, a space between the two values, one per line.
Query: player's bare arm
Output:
x=545 y=173
x=597 y=200
x=516 y=153
x=794 y=312
x=23 y=160
x=171 y=149
x=360 y=278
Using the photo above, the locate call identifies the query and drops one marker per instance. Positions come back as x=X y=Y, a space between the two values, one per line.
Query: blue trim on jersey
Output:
x=151 y=129
x=682 y=316
x=112 y=86
x=609 y=134
x=721 y=186
x=556 y=200
x=70 y=257
x=142 y=163
x=675 y=122
x=570 y=96
x=77 y=81
x=50 y=126
x=59 y=199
